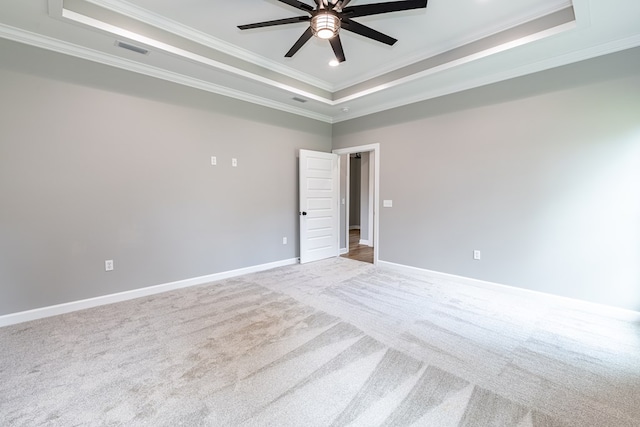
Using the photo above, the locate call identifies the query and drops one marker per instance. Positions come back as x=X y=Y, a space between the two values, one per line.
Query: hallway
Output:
x=357 y=251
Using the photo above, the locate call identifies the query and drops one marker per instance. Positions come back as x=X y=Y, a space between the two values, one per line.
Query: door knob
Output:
x=302 y=213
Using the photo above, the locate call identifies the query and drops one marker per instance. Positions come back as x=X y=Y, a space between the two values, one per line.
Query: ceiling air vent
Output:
x=295 y=98
x=136 y=49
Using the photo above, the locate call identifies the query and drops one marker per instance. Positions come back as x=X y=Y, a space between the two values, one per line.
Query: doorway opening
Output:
x=359 y=207
x=359 y=190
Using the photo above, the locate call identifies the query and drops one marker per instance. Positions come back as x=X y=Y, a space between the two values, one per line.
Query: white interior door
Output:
x=319 y=237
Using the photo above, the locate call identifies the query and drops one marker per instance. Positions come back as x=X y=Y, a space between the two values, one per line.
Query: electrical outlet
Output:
x=108 y=265
x=284 y=240
x=476 y=255
x=234 y=163
x=214 y=161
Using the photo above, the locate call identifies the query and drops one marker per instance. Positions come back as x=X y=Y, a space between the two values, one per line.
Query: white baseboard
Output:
x=344 y=251
x=608 y=310
x=54 y=310
x=365 y=242
x=354 y=227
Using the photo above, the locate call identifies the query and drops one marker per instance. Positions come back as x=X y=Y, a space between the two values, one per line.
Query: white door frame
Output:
x=375 y=148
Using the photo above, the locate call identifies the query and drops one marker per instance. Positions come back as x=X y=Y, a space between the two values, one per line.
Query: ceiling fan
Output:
x=329 y=16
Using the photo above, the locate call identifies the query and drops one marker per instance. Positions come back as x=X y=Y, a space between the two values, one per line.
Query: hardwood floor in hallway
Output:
x=357 y=251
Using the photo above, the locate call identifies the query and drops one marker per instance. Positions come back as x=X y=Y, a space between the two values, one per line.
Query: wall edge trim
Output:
x=68 y=307
x=608 y=310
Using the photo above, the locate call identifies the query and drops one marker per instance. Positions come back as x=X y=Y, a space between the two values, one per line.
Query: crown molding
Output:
x=44 y=42
x=143 y=15
x=185 y=54
x=460 y=61
x=173 y=50
x=478 y=36
x=558 y=61
x=135 y=12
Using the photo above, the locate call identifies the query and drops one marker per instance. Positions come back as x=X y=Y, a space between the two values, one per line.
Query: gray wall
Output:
x=98 y=163
x=540 y=173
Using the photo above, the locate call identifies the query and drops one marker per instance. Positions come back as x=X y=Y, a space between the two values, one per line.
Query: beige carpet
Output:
x=335 y=342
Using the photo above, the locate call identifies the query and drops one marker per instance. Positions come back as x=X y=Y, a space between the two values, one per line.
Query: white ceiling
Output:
x=451 y=45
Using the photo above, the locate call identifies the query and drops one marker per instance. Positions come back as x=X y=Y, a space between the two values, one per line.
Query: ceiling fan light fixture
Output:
x=326 y=18
x=325 y=25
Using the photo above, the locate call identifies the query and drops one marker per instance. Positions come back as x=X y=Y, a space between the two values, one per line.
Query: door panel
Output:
x=318 y=205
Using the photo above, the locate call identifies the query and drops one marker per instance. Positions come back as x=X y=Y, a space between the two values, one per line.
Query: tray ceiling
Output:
x=450 y=46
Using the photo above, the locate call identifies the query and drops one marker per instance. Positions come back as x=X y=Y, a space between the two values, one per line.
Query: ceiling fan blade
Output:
x=363 y=30
x=336 y=45
x=298 y=5
x=301 y=41
x=276 y=22
x=377 y=8
x=344 y=3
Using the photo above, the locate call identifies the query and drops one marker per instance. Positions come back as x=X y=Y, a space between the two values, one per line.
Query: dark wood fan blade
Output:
x=301 y=41
x=298 y=5
x=344 y=3
x=293 y=20
x=336 y=45
x=378 y=8
x=363 y=30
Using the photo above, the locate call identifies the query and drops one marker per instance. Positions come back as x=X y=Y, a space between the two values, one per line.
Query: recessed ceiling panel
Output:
x=443 y=25
x=450 y=46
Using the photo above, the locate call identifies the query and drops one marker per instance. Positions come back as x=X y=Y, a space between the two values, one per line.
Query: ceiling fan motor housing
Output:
x=325 y=24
